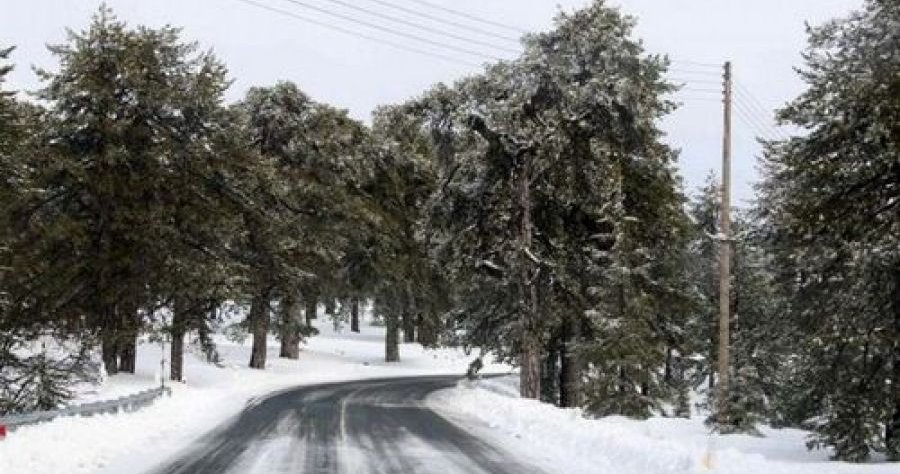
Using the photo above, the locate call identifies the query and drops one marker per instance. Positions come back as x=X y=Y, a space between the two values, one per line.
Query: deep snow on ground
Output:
x=133 y=442
x=565 y=441
x=557 y=440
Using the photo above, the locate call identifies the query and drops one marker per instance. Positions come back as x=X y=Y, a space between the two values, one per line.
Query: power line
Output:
x=690 y=99
x=747 y=113
x=358 y=34
x=445 y=21
x=750 y=116
x=754 y=102
x=757 y=112
x=385 y=29
x=694 y=89
x=696 y=64
x=421 y=27
x=469 y=16
x=762 y=123
x=761 y=129
x=695 y=81
x=750 y=124
x=693 y=72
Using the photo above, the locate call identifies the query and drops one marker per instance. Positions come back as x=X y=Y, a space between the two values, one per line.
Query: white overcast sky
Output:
x=762 y=38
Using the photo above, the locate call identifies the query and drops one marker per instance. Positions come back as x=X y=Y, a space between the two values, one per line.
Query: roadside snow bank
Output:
x=134 y=442
x=562 y=440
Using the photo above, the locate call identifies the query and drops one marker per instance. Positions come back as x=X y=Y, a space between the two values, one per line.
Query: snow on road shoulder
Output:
x=563 y=440
x=135 y=442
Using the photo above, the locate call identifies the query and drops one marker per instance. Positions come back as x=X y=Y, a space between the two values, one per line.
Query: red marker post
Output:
x=2 y=432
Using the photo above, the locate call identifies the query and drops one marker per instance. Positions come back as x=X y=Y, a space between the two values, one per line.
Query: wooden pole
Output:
x=725 y=255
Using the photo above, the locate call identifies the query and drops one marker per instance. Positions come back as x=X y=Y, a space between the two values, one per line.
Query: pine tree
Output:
x=831 y=206
x=528 y=156
x=758 y=336
x=704 y=273
x=305 y=202
x=760 y=345
x=641 y=298
x=610 y=206
x=120 y=208
x=31 y=377
x=128 y=203
x=402 y=181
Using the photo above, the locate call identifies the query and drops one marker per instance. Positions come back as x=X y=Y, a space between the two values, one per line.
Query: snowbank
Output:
x=134 y=442
x=562 y=440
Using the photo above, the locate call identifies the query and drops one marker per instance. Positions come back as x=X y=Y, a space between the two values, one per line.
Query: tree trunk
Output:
x=530 y=370
x=409 y=325
x=426 y=333
x=354 y=315
x=550 y=373
x=330 y=307
x=570 y=366
x=892 y=431
x=108 y=330
x=176 y=350
x=667 y=372
x=128 y=353
x=311 y=301
x=109 y=343
x=290 y=327
x=409 y=315
x=128 y=339
x=259 y=325
x=391 y=338
x=530 y=357
x=110 y=352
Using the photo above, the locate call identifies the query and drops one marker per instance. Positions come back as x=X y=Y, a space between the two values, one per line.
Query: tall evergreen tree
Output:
x=295 y=233
x=832 y=206
x=703 y=269
x=402 y=181
x=33 y=376
x=532 y=155
x=121 y=189
x=757 y=335
x=118 y=106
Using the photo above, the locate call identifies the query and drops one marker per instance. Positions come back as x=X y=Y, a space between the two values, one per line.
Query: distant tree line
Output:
x=532 y=211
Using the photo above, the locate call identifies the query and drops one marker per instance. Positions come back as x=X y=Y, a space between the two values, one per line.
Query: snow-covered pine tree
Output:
x=832 y=205
x=305 y=201
x=758 y=335
x=642 y=298
x=760 y=340
x=30 y=377
x=11 y=138
x=93 y=204
x=529 y=154
x=125 y=196
x=621 y=204
x=703 y=269
x=407 y=280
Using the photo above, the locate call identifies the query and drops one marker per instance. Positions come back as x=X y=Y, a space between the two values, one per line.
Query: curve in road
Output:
x=373 y=426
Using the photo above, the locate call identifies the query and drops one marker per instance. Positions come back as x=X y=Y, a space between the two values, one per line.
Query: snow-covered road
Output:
x=374 y=426
x=360 y=422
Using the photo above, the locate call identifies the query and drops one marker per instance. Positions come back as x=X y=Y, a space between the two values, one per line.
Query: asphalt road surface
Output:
x=377 y=426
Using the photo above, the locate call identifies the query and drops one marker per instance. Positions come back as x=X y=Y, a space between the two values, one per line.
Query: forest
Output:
x=533 y=212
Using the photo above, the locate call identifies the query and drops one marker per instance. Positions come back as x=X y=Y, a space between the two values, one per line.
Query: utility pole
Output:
x=725 y=255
